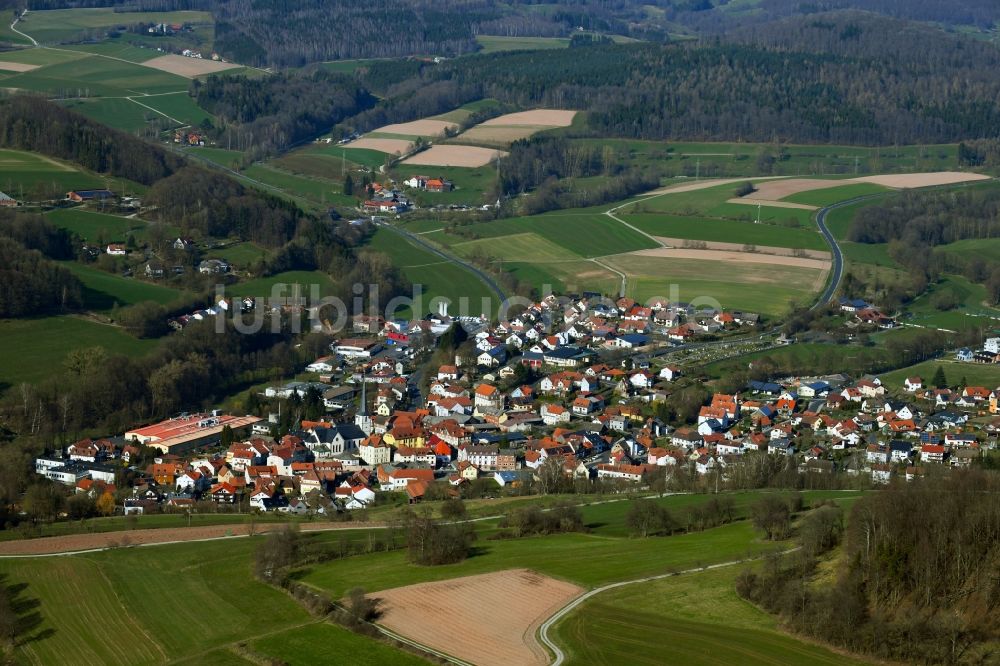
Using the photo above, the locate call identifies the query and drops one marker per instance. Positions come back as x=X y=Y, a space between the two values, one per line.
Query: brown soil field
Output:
x=188 y=67
x=425 y=127
x=544 y=117
x=905 y=180
x=453 y=155
x=760 y=249
x=770 y=204
x=490 y=619
x=390 y=146
x=74 y=542
x=779 y=189
x=16 y=67
x=731 y=256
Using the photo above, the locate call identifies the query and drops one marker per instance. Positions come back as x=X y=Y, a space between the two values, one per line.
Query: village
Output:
x=566 y=390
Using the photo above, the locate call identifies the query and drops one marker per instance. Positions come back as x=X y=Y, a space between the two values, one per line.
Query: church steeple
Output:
x=363 y=419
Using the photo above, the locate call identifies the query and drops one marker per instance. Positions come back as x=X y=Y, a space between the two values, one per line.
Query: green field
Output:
x=975 y=374
x=726 y=231
x=968 y=297
x=118 y=112
x=316 y=190
x=34 y=348
x=53 y=26
x=97 y=76
x=239 y=254
x=765 y=288
x=876 y=254
x=463 y=112
x=345 y=66
x=227 y=158
x=94 y=227
x=299 y=647
x=21 y=172
x=585 y=559
x=304 y=280
x=165 y=604
x=493 y=44
x=694 y=619
x=584 y=232
x=117 y=49
x=101 y=290
x=438 y=277
x=178 y=106
x=832 y=195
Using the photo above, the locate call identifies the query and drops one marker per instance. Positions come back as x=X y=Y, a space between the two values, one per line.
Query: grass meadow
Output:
x=101 y=290
x=35 y=348
x=694 y=619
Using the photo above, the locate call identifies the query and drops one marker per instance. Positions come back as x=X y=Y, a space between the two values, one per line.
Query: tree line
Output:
x=916 y=581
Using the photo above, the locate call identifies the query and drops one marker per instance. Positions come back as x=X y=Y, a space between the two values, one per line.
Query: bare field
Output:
x=426 y=127
x=770 y=204
x=451 y=155
x=731 y=256
x=783 y=252
x=779 y=189
x=543 y=117
x=188 y=67
x=390 y=146
x=905 y=180
x=16 y=66
x=489 y=619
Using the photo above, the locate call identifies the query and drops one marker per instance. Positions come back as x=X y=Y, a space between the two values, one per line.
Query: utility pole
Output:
x=758 y=212
x=856 y=165
x=697 y=169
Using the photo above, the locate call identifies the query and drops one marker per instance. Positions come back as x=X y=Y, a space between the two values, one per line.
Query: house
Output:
x=932 y=453
x=488 y=396
x=631 y=473
x=553 y=414
x=322 y=364
x=437 y=185
x=116 y=250
x=965 y=355
x=154 y=270
x=913 y=384
x=670 y=373
x=213 y=266
x=7 y=200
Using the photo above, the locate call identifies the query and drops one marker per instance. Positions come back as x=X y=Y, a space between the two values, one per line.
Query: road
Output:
x=837 y=271
x=568 y=608
x=28 y=37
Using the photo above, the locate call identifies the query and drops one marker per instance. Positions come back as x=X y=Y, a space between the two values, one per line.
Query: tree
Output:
x=453 y=509
x=106 y=504
x=646 y=518
x=770 y=514
x=43 y=501
x=348 y=185
x=939 y=380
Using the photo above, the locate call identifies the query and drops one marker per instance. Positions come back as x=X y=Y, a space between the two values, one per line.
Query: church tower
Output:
x=363 y=419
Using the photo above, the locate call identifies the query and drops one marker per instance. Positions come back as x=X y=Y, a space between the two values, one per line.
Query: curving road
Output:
x=837 y=273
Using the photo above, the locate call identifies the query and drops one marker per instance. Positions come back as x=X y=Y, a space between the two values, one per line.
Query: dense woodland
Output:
x=263 y=116
x=919 y=582
x=741 y=92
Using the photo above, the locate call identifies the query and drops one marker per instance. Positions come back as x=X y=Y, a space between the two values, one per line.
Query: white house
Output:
x=554 y=414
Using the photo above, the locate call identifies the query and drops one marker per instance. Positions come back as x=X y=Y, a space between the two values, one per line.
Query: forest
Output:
x=916 y=581
x=264 y=116
x=717 y=91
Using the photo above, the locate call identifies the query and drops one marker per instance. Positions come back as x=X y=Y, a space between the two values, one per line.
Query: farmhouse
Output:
x=80 y=196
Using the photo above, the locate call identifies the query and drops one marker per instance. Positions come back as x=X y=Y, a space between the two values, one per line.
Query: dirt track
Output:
x=771 y=204
x=16 y=66
x=780 y=189
x=703 y=184
x=489 y=619
x=390 y=146
x=98 y=540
